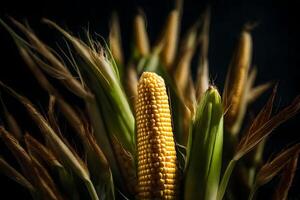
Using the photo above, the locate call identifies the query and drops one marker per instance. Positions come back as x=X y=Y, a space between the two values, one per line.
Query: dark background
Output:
x=275 y=50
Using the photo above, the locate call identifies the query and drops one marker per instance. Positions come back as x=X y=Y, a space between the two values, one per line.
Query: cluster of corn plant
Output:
x=143 y=128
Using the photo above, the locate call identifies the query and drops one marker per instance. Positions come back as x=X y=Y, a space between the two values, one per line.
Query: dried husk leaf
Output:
x=273 y=167
x=57 y=145
x=57 y=67
x=128 y=165
x=48 y=186
x=13 y=125
x=257 y=91
x=20 y=154
x=282 y=190
x=263 y=125
x=12 y=173
x=39 y=150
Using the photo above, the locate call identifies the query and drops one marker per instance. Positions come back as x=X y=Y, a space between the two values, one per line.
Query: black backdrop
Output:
x=275 y=49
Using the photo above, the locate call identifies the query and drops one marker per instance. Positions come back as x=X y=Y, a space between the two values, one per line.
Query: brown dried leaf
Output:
x=265 y=114
x=47 y=184
x=263 y=125
x=257 y=91
x=39 y=150
x=57 y=68
x=282 y=190
x=20 y=154
x=12 y=124
x=38 y=74
x=58 y=146
x=10 y=172
x=273 y=167
x=125 y=159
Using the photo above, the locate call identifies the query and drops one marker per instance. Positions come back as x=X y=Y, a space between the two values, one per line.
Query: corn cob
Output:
x=157 y=169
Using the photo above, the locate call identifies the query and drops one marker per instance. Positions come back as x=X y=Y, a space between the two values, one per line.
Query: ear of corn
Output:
x=141 y=36
x=204 y=153
x=202 y=81
x=234 y=96
x=169 y=39
x=182 y=70
x=115 y=42
x=157 y=170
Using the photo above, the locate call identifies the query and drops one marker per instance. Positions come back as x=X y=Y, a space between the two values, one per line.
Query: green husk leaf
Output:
x=204 y=150
x=106 y=75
